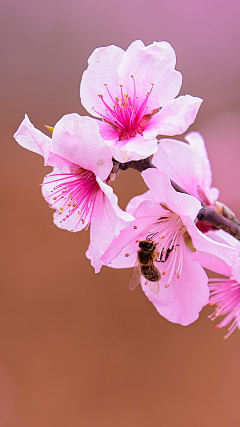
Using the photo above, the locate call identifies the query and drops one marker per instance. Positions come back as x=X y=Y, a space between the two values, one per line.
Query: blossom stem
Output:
x=206 y=214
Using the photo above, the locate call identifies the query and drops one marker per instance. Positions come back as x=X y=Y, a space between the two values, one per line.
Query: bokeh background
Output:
x=79 y=349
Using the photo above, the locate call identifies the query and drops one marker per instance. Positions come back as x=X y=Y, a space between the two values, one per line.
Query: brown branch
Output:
x=218 y=221
x=222 y=221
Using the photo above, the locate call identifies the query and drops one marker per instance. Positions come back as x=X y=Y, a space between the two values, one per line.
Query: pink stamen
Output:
x=76 y=191
x=225 y=294
x=125 y=115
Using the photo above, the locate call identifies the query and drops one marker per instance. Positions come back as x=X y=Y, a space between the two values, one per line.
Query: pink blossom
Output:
x=188 y=165
x=77 y=188
x=169 y=218
x=224 y=292
x=133 y=92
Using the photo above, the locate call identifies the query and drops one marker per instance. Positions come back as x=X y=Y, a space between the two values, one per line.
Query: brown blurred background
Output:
x=79 y=349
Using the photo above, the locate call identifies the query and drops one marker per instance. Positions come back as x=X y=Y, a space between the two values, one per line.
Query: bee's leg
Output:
x=159 y=259
x=168 y=251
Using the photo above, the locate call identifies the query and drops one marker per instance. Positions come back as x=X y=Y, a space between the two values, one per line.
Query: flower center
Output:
x=73 y=192
x=127 y=115
x=169 y=234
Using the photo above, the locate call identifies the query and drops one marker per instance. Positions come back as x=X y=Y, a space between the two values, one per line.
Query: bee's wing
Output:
x=153 y=286
x=135 y=278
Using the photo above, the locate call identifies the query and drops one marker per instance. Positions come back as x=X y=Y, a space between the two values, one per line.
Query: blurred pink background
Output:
x=79 y=349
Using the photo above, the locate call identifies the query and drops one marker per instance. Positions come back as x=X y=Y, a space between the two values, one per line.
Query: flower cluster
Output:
x=133 y=98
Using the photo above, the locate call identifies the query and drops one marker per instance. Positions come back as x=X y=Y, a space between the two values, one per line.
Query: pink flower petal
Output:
x=136 y=148
x=33 y=139
x=187 y=164
x=236 y=273
x=127 y=242
x=102 y=69
x=107 y=132
x=225 y=238
x=78 y=140
x=182 y=301
x=213 y=262
x=135 y=201
x=203 y=243
x=175 y=117
x=107 y=222
x=163 y=192
x=151 y=64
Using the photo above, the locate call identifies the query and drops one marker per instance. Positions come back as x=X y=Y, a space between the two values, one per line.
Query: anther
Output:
x=126 y=255
x=167 y=285
x=135 y=227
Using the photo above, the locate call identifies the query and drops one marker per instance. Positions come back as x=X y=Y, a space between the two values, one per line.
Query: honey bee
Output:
x=145 y=267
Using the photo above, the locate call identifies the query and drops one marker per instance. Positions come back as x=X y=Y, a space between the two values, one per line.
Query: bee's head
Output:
x=147 y=244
